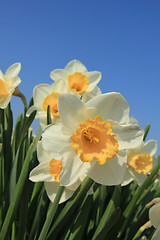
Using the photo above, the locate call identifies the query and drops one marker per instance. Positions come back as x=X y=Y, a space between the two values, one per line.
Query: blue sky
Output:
x=119 y=38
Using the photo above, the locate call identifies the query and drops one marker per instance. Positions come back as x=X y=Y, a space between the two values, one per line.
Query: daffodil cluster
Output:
x=91 y=134
x=90 y=154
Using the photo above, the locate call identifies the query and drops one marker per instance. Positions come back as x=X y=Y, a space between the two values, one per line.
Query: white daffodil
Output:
x=140 y=162
x=154 y=216
x=92 y=138
x=48 y=171
x=8 y=82
x=78 y=80
x=44 y=95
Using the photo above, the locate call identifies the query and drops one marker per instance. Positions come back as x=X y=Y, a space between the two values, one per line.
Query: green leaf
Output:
x=71 y=205
x=51 y=214
x=146 y=131
x=38 y=211
x=81 y=221
x=18 y=190
x=26 y=124
x=109 y=216
x=49 y=120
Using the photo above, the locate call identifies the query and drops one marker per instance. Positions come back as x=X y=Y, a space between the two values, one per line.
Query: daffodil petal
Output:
x=94 y=77
x=110 y=173
x=42 y=155
x=2 y=76
x=154 y=214
x=128 y=136
x=59 y=86
x=127 y=178
x=156 y=235
x=4 y=101
x=111 y=106
x=58 y=74
x=75 y=66
x=53 y=140
x=71 y=110
x=15 y=82
x=89 y=95
x=40 y=92
x=138 y=177
x=150 y=147
x=72 y=167
x=41 y=173
x=51 y=189
x=13 y=70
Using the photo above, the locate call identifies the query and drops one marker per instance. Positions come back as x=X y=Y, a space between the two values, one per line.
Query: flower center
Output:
x=55 y=168
x=78 y=82
x=4 y=88
x=94 y=139
x=51 y=100
x=142 y=163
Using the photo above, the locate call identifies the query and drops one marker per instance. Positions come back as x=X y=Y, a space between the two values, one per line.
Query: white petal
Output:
x=53 y=140
x=59 y=86
x=154 y=214
x=127 y=178
x=94 y=78
x=138 y=177
x=13 y=70
x=74 y=186
x=156 y=235
x=40 y=92
x=41 y=173
x=59 y=74
x=89 y=95
x=42 y=155
x=15 y=81
x=4 y=101
x=111 y=106
x=112 y=172
x=71 y=110
x=150 y=147
x=75 y=66
x=51 y=189
x=43 y=121
x=2 y=76
x=133 y=120
x=72 y=167
x=128 y=136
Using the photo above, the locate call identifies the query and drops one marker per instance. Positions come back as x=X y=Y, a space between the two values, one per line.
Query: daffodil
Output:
x=8 y=82
x=44 y=95
x=78 y=80
x=92 y=138
x=48 y=171
x=140 y=162
x=154 y=216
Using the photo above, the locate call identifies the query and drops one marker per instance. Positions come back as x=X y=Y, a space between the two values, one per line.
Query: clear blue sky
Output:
x=119 y=38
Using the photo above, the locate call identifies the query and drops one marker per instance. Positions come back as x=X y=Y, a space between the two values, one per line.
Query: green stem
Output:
x=51 y=214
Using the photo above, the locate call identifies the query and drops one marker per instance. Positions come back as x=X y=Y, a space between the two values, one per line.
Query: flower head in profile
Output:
x=78 y=80
x=8 y=82
x=48 y=171
x=154 y=216
x=140 y=162
x=92 y=138
x=44 y=95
